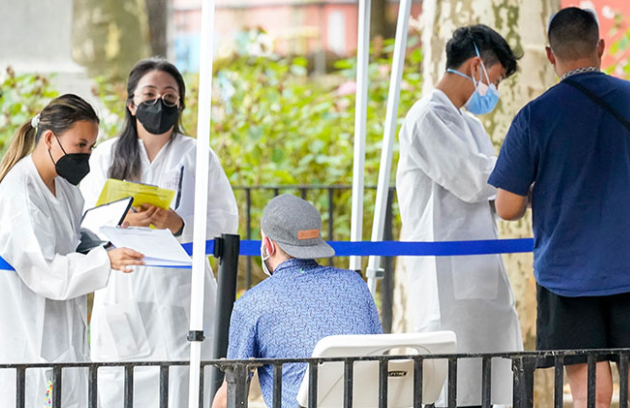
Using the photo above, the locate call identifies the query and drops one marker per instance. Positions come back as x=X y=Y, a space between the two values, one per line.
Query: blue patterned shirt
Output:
x=288 y=313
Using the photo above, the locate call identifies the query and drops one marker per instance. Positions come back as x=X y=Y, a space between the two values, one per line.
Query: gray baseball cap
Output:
x=295 y=225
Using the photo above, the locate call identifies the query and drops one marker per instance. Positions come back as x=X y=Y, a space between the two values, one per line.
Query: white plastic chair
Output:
x=365 y=382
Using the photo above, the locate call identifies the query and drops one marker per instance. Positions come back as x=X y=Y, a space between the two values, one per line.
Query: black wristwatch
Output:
x=181 y=230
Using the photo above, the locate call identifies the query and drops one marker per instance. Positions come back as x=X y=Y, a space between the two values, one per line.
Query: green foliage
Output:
x=21 y=98
x=112 y=96
x=620 y=49
x=272 y=124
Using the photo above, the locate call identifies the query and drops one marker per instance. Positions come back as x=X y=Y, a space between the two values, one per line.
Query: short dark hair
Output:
x=492 y=48
x=573 y=33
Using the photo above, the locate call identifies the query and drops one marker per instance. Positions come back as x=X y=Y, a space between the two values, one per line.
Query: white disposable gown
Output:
x=43 y=304
x=145 y=315
x=445 y=160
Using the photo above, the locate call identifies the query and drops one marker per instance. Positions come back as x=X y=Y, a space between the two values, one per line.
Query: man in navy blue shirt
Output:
x=571 y=148
x=300 y=303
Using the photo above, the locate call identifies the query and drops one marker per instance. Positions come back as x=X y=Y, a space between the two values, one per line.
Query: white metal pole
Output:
x=389 y=136
x=201 y=195
x=360 y=119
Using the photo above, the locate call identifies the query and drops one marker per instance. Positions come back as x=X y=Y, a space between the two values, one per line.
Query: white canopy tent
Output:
x=201 y=196
x=203 y=140
x=398 y=64
x=360 y=120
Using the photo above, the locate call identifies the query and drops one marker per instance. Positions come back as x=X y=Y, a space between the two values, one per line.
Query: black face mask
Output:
x=73 y=167
x=157 y=118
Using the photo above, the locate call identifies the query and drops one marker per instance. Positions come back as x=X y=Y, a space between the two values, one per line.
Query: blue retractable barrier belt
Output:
x=5 y=266
x=391 y=248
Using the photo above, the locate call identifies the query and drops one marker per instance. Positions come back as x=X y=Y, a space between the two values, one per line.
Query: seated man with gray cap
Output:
x=300 y=303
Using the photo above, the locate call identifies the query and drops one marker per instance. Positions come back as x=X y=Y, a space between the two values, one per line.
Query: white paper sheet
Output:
x=159 y=246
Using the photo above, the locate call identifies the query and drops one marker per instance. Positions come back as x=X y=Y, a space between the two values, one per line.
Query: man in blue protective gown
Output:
x=571 y=148
x=299 y=303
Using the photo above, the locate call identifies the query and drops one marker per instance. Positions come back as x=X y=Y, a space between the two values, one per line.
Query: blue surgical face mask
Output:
x=485 y=97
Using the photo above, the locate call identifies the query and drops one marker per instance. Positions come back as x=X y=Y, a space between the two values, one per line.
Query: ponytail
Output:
x=22 y=144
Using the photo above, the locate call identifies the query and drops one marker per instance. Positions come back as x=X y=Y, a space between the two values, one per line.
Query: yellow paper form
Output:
x=141 y=193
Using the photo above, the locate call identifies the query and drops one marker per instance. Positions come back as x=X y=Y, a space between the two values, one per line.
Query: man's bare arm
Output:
x=510 y=206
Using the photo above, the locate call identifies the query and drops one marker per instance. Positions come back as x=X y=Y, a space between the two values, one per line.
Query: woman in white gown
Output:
x=43 y=304
x=146 y=316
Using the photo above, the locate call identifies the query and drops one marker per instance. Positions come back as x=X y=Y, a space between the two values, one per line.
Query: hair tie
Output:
x=35 y=121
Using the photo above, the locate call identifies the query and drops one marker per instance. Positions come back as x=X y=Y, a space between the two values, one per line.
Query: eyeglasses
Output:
x=150 y=97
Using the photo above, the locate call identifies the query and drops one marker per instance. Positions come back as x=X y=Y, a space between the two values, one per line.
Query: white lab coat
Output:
x=43 y=304
x=146 y=315
x=445 y=160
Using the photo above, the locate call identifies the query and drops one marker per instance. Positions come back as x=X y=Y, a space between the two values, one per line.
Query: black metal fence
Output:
x=254 y=198
x=237 y=374
x=524 y=364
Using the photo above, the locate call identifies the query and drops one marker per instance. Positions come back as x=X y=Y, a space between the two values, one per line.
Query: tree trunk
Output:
x=378 y=19
x=157 y=15
x=523 y=23
x=109 y=38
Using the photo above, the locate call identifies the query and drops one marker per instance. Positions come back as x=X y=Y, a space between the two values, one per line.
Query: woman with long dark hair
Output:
x=43 y=304
x=146 y=317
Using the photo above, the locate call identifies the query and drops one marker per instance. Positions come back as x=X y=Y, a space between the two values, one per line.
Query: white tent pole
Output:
x=388 y=138
x=201 y=195
x=360 y=118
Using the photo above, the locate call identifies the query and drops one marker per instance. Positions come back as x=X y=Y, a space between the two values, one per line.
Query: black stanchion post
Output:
x=387 y=284
x=226 y=249
x=248 y=235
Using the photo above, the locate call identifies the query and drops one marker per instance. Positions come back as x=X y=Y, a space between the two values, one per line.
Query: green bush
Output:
x=21 y=97
x=272 y=124
x=620 y=49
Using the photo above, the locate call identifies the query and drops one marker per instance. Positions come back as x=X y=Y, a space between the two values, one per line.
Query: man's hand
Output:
x=122 y=258
x=510 y=206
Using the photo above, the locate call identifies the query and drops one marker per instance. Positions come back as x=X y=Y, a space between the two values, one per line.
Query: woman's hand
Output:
x=167 y=219
x=122 y=258
x=141 y=216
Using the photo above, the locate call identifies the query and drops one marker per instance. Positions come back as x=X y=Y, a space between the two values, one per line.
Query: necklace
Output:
x=579 y=71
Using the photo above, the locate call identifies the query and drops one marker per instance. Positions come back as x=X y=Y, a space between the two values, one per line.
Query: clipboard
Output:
x=142 y=193
x=106 y=215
